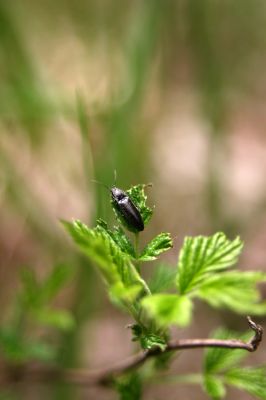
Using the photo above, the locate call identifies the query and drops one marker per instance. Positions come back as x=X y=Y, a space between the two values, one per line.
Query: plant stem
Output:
x=42 y=373
x=136 y=245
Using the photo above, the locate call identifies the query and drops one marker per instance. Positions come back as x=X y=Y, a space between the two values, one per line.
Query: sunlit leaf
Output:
x=114 y=265
x=235 y=290
x=214 y=387
x=158 y=245
x=169 y=309
x=119 y=237
x=202 y=255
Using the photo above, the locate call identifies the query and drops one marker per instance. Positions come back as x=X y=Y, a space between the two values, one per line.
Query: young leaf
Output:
x=100 y=248
x=219 y=359
x=234 y=290
x=202 y=255
x=162 y=279
x=119 y=292
x=158 y=245
x=168 y=309
x=114 y=265
x=252 y=380
x=147 y=340
x=214 y=387
x=139 y=198
x=119 y=237
x=151 y=341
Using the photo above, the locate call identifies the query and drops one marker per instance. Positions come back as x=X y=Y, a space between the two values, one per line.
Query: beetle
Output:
x=125 y=209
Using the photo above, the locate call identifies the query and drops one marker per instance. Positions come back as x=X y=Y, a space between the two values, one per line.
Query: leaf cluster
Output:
x=32 y=310
x=205 y=270
x=222 y=368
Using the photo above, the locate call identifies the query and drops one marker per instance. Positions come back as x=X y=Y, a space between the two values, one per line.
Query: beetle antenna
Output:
x=115 y=176
x=100 y=183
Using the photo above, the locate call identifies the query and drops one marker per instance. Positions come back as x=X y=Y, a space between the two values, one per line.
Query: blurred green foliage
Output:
x=140 y=48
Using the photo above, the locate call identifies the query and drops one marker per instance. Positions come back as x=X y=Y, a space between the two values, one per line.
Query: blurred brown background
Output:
x=175 y=95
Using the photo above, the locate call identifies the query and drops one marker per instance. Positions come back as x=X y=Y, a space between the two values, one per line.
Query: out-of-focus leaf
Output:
x=158 y=245
x=235 y=290
x=252 y=380
x=57 y=279
x=201 y=256
x=214 y=387
x=40 y=351
x=60 y=319
x=36 y=294
x=168 y=309
x=119 y=292
x=11 y=346
x=129 y=387
x=162 y=279
x=14 y=347
x=219 y=359
x=31 y=289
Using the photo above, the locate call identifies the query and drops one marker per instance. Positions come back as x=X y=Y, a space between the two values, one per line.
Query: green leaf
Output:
x=158 y=245
x=30 y=296
x=36 y=294
x=15 y=348
x=40 y=351
x=162 y=279
x=168 y=309
x=202 y=255
x=119 y=292
x=150 y=341
x=59 y=276
x=101 y=249
x=129 y=386
x=234 y=290
x=60 y=319
x=11 y=346
x=114 y=265
x=139 y=198
x=119 y=237
x=214 y=387
x=147 y=340
x=219 y=359
x=252 y=380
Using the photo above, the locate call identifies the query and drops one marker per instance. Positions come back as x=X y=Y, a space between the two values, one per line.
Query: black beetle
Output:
x=125 y=209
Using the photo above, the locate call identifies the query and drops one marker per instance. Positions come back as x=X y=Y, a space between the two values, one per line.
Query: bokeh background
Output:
x=168 y=92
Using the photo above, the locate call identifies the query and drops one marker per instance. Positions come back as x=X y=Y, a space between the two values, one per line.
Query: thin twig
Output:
x=105 y=376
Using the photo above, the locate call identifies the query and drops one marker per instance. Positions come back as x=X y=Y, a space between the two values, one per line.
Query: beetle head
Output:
x=117 y=194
